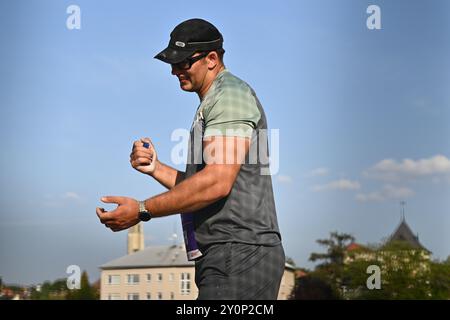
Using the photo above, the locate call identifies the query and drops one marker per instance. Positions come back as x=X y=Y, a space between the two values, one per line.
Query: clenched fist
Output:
x=143 y=159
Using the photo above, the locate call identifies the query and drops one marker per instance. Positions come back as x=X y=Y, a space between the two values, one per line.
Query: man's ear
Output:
x=212 y=59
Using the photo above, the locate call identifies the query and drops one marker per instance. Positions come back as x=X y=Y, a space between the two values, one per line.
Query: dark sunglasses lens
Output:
x=186 y=64
x=183 y=65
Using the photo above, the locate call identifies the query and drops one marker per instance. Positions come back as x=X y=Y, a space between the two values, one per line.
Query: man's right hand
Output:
x=144 y=159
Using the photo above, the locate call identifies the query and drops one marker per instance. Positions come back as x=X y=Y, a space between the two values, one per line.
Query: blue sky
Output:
x=351 y=105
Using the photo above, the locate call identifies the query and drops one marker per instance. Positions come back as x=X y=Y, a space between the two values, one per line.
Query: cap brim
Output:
x=172 y=56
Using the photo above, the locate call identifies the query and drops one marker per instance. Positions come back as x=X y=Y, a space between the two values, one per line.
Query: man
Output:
x=225 y=199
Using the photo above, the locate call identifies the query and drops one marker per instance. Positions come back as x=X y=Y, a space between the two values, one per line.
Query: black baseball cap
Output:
x=189 y=37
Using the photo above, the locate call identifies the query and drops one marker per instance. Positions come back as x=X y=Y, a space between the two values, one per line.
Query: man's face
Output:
x=192 y=79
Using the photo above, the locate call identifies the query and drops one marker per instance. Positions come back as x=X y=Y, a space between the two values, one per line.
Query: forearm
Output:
x=167 y=176
x=193 y=193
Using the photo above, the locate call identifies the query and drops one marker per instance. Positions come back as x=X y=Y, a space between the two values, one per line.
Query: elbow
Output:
x=221 y=190
x=225 y=190
x=221 y=182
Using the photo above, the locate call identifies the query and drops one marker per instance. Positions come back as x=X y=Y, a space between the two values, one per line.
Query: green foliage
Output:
x=314 y=286
x=50 y=291
x=332 y=265
x=440 y=280
x=290 y=261
x=336 y=247
x=406 y=272
x=447 y=261
x=58 y=290
x=86 y=292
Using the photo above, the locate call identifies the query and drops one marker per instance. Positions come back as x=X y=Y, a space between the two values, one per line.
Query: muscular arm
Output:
x=167 y=176
x=205 y=187
x=223 y=157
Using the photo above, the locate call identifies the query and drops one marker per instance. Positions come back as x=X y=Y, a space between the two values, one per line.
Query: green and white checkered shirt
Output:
x=229 y=107
x=247 y=214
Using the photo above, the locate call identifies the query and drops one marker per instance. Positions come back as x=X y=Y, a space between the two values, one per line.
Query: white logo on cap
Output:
x=180 y=44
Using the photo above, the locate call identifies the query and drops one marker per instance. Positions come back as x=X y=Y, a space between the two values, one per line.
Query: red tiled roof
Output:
x=300 y=273
x=354 y=246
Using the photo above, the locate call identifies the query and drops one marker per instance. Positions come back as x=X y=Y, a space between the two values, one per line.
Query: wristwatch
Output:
x=144 y=214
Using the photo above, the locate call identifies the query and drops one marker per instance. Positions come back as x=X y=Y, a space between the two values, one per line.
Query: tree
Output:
x=86 y=291
x=313 y=287
x=290 y=261
x=406 y=273
x=337 y=245
x=447 y=261
x=331 y=267
x=56 y=290
x=440 y=280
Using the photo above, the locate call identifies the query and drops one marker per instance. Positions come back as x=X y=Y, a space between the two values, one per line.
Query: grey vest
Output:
x=247 y=214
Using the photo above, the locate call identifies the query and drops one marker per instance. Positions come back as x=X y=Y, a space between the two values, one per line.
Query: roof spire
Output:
x=403 y=204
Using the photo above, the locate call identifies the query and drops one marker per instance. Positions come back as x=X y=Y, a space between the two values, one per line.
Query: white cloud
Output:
x=372 y=196
x=388 y=192
x=389 y=169
x=55 y=201
x=71 y=195
x=318 y=172
x=284 y=178
x=342 y=184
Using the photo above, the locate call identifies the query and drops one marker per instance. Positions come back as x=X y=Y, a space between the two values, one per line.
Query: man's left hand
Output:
x=123 y=217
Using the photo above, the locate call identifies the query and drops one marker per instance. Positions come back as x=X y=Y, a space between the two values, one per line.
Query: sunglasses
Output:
x=187 y=63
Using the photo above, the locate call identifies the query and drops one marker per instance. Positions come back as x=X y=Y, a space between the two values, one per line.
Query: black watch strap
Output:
x=144 y=214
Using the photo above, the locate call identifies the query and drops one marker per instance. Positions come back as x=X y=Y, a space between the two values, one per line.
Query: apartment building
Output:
x=160 y=273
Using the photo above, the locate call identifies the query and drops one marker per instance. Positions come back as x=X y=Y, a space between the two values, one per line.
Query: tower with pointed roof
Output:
x=404 y=234
x=135 y=238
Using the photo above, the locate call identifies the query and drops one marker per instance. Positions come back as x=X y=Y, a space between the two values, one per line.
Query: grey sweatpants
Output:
x=236 y=271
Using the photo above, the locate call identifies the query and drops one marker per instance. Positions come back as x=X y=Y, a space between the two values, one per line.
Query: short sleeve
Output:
x=233 y=112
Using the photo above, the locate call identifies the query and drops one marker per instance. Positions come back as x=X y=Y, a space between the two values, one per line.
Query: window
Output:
x=149 y=296
x=133 y=296
x=114 y=279
x=133 y=279
x=160 y=277
x=149 y=277
x=159 y=295
x=114 y=296
x=185 y=283
x=172 y=296
x=171 y=276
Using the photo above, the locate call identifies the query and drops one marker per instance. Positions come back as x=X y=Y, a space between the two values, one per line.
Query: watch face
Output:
x=144 y=216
